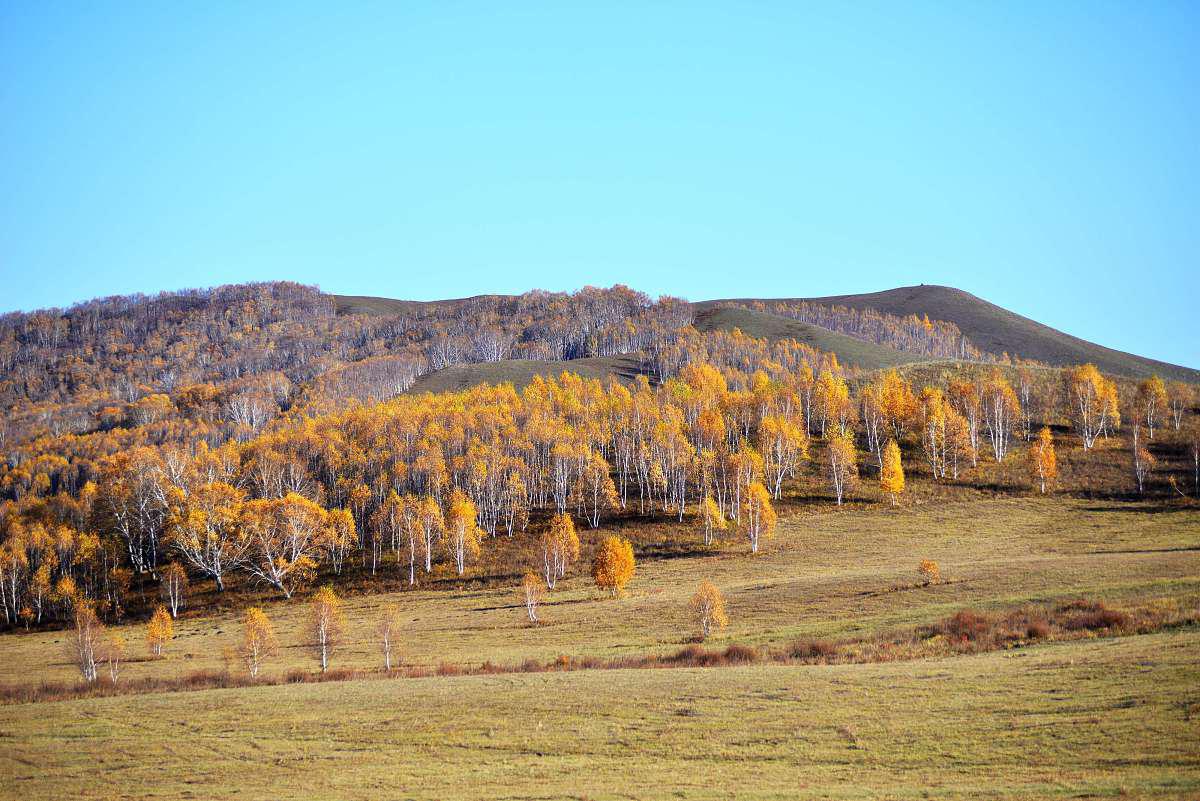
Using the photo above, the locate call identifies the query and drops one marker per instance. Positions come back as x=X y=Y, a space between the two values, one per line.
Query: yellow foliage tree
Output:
x=159 y=631
x=325 y=624
x=463 y=532
x=258 y=640
x=759 y=516
x=708 y=609
x=713 y=520
x=531 y=594
x=1043 y=464
x=613 y=565
x=560 y=547
x=891 y=478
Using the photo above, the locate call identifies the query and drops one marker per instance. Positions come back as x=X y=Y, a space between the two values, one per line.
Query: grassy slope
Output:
x=849 y=350
x=996 y=330
x=1086 y=718
x=520 y=372
x=367 y=304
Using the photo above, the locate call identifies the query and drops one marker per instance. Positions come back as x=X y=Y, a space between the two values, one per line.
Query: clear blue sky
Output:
x=1045 y=156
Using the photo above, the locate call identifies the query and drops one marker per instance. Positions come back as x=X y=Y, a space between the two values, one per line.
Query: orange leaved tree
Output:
x=613 y=565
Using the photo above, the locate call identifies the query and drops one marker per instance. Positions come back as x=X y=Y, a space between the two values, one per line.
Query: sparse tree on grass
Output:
x=159 y=631
x=708 y=609
x=891 y=477
x=113 y=654
x=531 y=595
x=174 y=582
x=1043 y=464
x=84 y=640
x=560 y=547
x=325 y=624
x=258 y=640
x=613 y=566
x=387 y=629
x=929 y=571
x=1180 y=397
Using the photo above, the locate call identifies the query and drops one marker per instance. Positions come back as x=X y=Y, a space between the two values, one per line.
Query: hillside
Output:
x=849 y=350
x=367 y=304
x=520 y=372
x=998 y=330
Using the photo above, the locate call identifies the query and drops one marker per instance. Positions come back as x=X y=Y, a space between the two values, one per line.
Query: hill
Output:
x=849 y=350
x=998 y=330
x=367 y=304
x=520 y=372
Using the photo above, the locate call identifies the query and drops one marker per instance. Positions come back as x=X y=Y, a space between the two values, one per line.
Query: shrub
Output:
x=929 y=571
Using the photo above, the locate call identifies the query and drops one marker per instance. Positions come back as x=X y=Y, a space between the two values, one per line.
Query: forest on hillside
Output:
x=251 y=436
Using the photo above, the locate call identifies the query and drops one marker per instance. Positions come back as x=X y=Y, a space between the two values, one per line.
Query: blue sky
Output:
x=1044 y=156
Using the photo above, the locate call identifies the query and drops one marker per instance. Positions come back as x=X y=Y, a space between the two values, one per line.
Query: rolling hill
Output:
x=997 y=330
x=848 y=349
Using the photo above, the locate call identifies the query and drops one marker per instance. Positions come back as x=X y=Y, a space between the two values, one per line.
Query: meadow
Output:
x=1095 y=716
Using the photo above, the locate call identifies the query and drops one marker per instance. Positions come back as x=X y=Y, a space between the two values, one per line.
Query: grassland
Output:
x=1091 y=717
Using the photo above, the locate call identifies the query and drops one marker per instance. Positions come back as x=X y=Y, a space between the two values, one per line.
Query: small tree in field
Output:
x=891 y=476
x=560 y=547
x=929 y=571
x=114 y=655
x=708 y=609
x=711 y=517
x=159 y=631
x=258 y=640
x=325 y=624
x=84 y=641
x=1043 y=464
x=387 y=628
x=174 y=582
x=531 y=594
x=613 y=565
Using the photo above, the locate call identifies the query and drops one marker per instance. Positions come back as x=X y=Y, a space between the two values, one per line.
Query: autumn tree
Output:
x=1180 y=397
x=112 y=652
x=325 y=624
x=531 y=595
x=1043 y=464
x=1143 y=460
x=159 y=631
x=613 y=565
x=929 y=572
x=206 y=529
x=891 y=478
x=560 y=547
x=708 y=609
x=595 y=488
x=387 y=629
x=85 y=640
x=461 y=529
x=711 y=518
x=286 y=537
x=1001 y=412
x=758 y=516
x=429 y=518
x=258 y=640
x=1151 y=402
x=841 y=460
x=1092 y=403
x=173 y=581
x=784 y=446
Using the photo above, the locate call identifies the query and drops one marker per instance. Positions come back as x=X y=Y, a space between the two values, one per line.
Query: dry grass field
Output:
x=1091 y=717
